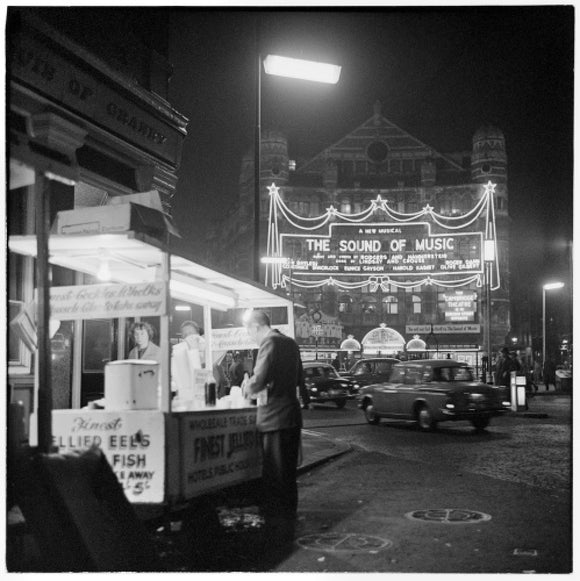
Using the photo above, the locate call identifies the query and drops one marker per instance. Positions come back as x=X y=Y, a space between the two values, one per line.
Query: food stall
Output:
x=179 y=447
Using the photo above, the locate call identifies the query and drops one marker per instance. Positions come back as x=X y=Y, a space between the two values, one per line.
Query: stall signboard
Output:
x=460 y=305
x=104 y=301
x=132 y=441
x=219 y=448
x=383 y=249
x=237 y=338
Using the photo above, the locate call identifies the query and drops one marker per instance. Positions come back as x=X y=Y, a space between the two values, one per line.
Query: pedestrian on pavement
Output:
x=536 y=374
x=503 y=368
x=336 y=363
x=277 y=374
x=549 y=373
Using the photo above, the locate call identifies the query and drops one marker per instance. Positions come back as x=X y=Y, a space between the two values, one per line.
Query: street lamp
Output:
x=548 y=286
x=488 y=258
x=283 y=67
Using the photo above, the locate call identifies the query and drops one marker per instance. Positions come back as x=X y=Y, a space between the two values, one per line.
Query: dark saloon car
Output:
x=429 y=391
x=370 y=370
x=324 y=384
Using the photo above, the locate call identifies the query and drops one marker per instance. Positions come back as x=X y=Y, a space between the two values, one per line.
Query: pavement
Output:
x=237 y=532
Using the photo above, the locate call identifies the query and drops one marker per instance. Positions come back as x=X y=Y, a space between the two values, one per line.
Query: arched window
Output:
x=416 y=304
x=345 y=206
x=391 y=305
x=369 y=304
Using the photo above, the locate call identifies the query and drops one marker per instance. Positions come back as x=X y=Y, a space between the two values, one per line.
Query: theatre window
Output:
x=345 y=304
x=390 y=305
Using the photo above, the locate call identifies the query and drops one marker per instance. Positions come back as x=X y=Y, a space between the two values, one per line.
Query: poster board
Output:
x=133 y=443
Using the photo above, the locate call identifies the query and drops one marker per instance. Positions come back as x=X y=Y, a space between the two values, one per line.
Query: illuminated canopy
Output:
x=407 y=250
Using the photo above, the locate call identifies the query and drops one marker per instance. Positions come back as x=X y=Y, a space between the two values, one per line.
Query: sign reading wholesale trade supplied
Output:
x=219 y=449
x=383 y=249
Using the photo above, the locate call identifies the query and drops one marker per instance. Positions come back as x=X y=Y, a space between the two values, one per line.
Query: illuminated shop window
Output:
x=369 y=305
x=391 y=305
x=292 y=165
x=345 y=304
x=315 y=207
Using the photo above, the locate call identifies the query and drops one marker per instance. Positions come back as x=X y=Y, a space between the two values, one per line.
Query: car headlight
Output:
x=314 y=389
x=450 y=406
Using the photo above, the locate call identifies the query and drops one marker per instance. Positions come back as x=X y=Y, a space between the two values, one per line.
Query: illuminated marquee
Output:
x=383 y=249
x=406 y=250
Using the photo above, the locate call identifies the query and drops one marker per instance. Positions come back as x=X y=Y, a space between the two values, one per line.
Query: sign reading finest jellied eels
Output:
x=383 y=249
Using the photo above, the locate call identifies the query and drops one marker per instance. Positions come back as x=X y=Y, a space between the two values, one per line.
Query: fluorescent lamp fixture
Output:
x=104 y=272
x=489 y=250
x=200 y=295
x=301 y=69
x=553 y=285
x=182 y=308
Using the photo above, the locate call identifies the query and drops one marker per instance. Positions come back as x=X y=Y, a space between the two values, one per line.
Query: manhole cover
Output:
x=449 y=516
x=344 y=542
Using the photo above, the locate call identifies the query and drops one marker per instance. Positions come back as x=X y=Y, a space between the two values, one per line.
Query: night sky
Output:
x=440 y=73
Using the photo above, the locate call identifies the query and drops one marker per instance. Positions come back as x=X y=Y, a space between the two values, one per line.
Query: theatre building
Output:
x=384 y=236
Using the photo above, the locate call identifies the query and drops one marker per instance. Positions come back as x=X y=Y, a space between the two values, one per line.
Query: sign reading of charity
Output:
x=383 y=249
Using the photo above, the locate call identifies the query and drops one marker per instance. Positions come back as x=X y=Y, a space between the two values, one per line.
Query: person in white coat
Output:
x=187 y=356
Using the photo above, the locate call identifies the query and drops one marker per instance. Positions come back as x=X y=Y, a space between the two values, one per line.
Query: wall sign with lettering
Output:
x=132 y=441
x=218 y=449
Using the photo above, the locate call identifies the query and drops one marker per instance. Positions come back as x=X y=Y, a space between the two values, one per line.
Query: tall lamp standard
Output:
x=282 y=67
x=488 y=258
x=548 y=286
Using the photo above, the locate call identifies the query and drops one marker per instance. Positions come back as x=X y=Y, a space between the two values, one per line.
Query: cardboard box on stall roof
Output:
x=134 y=212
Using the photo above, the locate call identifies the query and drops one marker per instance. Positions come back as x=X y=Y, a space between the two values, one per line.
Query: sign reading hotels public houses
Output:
x=384 y=249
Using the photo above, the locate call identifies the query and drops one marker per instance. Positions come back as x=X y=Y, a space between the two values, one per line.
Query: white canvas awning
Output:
x=133 y=257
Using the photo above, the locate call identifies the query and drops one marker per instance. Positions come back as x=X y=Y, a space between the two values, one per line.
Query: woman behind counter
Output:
x=143 y=334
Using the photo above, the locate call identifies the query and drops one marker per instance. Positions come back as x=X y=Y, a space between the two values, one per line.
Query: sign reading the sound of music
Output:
x=383 y=249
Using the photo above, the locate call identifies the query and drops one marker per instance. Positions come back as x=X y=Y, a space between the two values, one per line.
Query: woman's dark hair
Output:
x=146 y=326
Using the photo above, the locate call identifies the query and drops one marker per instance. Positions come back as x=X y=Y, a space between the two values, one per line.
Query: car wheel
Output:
x=370 y=414
x=480 y=423
x=340 y=403
x=425 y=419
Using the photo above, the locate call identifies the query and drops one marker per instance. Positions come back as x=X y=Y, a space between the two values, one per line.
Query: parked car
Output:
x=325 y=385
x=370 y=370
x=429 y=391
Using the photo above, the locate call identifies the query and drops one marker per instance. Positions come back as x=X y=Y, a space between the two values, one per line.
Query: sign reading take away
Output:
x=132 y=441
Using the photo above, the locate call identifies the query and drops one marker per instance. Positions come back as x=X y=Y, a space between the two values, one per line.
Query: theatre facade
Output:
x=381 y=235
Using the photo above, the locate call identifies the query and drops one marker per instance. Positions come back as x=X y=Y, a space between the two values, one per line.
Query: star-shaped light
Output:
x=490 y=188
x=380 y=204
x=428 y=209
x=331 y=211
x=273 y=190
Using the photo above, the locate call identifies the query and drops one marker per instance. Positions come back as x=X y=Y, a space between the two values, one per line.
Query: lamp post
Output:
x=282 y=67
x=548 y=286
x=488 y=258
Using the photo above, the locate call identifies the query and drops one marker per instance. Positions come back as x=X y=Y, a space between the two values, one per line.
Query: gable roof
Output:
x=400 y=144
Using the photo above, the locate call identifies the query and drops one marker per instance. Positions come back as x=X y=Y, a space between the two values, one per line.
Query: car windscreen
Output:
x=320 y=371
x=453 y=374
